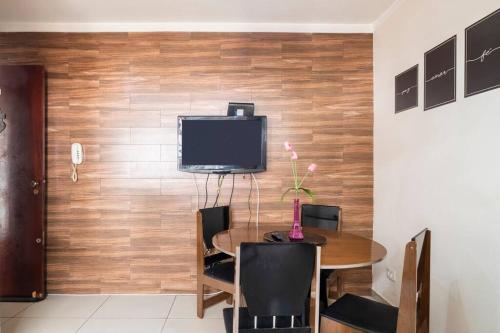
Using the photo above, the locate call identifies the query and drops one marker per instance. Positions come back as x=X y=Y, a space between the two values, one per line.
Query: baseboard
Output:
x=382 y=298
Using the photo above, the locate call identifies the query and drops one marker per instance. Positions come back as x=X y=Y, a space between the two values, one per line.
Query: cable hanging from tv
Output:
x=219 y=200
x=220 y=181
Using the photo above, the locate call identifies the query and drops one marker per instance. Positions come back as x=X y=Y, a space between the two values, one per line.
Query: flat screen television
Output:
x=216 y=144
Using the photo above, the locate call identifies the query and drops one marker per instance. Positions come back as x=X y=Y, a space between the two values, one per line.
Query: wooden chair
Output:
x=357 y=314
x=275 y=280
x=214 y=269
x=330 y=218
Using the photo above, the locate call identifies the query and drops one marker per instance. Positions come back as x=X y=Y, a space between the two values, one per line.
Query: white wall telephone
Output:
x=77 y=159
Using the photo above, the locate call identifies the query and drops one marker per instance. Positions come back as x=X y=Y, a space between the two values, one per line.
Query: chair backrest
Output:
x=213 y=220
x=414 y=302
x=320 y=216
x=275 y=280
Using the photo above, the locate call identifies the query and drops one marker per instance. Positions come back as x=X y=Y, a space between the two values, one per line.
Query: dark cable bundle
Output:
x=232 y=190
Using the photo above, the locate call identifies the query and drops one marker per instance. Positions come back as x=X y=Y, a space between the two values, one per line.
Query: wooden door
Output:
x=22 y=183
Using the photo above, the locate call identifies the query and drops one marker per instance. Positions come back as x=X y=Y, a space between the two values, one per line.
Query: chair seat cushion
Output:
x=223 y=271
x=216 y=258
x=363 y=314
x=264 y=324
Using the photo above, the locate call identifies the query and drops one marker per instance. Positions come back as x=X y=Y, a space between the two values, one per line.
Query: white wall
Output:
x=438 y=169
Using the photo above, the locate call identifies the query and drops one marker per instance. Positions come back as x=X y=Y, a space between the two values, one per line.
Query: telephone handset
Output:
x=77 y=159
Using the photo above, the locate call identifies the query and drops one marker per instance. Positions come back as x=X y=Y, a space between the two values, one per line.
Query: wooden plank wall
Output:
x=128 y=224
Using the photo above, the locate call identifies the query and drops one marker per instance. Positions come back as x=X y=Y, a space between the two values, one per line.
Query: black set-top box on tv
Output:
x=216 y=144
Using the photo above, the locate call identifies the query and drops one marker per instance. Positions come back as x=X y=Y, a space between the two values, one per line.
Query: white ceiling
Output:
x=224 y=15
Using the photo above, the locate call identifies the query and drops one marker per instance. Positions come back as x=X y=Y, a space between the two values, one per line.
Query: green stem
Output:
x=296 y=176
x=303 y=178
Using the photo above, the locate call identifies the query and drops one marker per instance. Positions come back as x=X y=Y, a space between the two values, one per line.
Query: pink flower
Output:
x=287 y=145
x=312 y=167
x=294 y=155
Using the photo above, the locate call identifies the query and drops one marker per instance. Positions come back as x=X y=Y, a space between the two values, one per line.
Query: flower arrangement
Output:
x=297 y=181
x=296 y=233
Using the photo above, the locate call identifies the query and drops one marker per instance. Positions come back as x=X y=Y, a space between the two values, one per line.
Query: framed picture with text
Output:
x=406 y=89
x=482 y=55
x=440 y=74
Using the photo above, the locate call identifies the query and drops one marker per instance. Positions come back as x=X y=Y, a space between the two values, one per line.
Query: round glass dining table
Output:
x=342 y=250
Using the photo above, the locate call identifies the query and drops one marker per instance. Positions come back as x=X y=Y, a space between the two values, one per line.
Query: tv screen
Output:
x=222 y=144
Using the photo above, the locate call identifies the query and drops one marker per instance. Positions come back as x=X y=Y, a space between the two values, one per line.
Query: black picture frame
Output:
x=406 y=90
x=440 y=78
x=482 y=55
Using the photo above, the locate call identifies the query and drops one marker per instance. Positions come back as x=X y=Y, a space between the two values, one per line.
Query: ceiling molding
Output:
x=387 y=13
x=183 y=26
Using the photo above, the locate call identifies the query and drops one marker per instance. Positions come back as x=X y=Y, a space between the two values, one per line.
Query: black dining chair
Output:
x=354 y=314
x=275 y=280
x=330 y=218
x=214 y=269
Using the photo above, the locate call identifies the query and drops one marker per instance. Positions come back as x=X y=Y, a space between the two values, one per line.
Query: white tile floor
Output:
x=110 y=314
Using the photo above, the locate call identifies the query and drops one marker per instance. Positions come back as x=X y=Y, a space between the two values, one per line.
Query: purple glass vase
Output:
x=296 y=232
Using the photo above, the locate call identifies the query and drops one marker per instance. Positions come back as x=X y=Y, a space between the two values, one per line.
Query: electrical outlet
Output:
x=391 y=274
